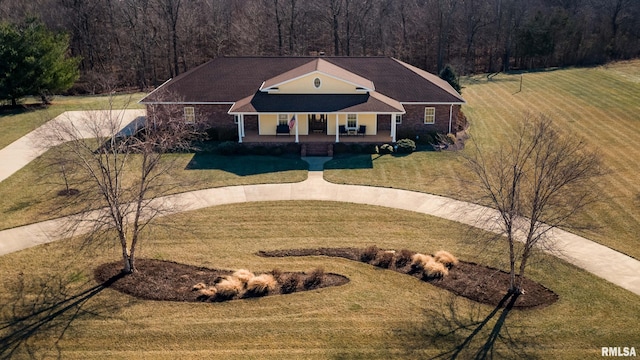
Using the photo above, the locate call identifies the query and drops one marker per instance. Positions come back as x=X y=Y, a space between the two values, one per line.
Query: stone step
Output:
x=317 y=149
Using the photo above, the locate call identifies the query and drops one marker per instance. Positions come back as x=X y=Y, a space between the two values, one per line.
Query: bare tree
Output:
x=539 y=181
x=123 y=171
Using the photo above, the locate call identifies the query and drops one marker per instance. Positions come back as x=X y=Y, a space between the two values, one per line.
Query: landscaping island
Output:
x=170 y=281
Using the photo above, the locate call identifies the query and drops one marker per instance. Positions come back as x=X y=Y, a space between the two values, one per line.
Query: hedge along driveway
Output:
x=606 y=263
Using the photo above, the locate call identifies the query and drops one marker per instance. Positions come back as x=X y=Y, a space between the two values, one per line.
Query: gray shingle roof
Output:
x=315 y=103
x=231 y=79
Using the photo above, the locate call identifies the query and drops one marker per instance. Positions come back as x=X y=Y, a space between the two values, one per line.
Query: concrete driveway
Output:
x=600 y=260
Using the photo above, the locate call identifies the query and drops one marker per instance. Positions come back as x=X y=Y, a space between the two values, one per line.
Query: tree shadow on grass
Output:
x=351 y=162
x=246 y=165
x=467 y=334
x=41 y=311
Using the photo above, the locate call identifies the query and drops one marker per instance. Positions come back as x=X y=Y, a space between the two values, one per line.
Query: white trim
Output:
x=394 y=129
x=347 y=122
x=240 y=122
x=188 y=103
x=296 y=126
x=156 y=89
x=424 y=117
x=431 y=103
x=321 y=112
x=191 y=113
x=247 y=113
x=450 y=117
x=373 y=87
x=286 y=120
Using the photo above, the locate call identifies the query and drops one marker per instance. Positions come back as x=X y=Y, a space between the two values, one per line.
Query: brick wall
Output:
x=207 y=116
x=384 y=123
x=413 y=120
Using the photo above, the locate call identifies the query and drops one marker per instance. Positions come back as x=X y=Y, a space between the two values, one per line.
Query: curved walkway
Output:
x=600 y=260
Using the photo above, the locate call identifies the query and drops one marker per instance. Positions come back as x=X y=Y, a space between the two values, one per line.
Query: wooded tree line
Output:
x=141 y=43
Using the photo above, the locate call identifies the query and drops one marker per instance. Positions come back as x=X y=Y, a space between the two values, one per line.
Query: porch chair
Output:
x=343 y=130
x=362 y=130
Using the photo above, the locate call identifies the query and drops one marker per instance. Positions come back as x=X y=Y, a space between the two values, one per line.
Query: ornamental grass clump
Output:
x=243 y=275
x=403 y=258
x=314 y=279
x=289 y=283
x=198 y=286
x=369 y=254
x=434 y=270
x=277 y=273
x=384 y=259
x=207 y=292
x=261 y=285
x=446 y=258
x=229 y=288
x=418 y=261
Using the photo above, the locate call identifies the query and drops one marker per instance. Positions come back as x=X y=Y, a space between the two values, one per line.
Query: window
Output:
x=317 y=83
x=236 y=119
x=189 y=115
x=283 y=119
x=352 y=121
x=399 y=119
x=429 y=115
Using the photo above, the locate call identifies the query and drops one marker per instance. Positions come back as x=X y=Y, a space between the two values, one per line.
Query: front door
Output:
x=318 y=123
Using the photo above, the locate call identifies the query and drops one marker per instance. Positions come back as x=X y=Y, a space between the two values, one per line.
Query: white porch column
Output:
x=337 y=128
x=296 y=123
x=450 y=117
x=240 y=121
x=393 y=127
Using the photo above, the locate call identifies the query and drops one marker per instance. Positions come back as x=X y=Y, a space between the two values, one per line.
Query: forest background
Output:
x=138 y=44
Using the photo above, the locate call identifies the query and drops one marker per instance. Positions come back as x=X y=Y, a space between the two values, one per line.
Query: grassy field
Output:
x=39 y=188
x=379 y=314
x=16 y=123
x=598 y=104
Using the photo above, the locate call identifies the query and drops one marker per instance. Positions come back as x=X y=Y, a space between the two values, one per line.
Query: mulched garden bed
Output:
x=171 y=281
x=473 y=281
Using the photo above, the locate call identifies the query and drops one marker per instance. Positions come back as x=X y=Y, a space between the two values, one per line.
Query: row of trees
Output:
x=141 y=43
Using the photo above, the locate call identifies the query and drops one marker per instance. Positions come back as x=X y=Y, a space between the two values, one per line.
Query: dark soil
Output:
x=171 y=281
x=69 y=192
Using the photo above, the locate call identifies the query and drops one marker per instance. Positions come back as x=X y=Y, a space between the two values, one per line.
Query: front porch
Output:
x=252 y=136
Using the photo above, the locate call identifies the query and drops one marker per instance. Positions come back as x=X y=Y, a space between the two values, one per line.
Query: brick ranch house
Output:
x=310 y=99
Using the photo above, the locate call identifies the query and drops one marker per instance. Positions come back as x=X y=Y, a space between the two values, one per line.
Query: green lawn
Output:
x=17 y=123
x=379 y=314
x=39 y=183
x=598 y=104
